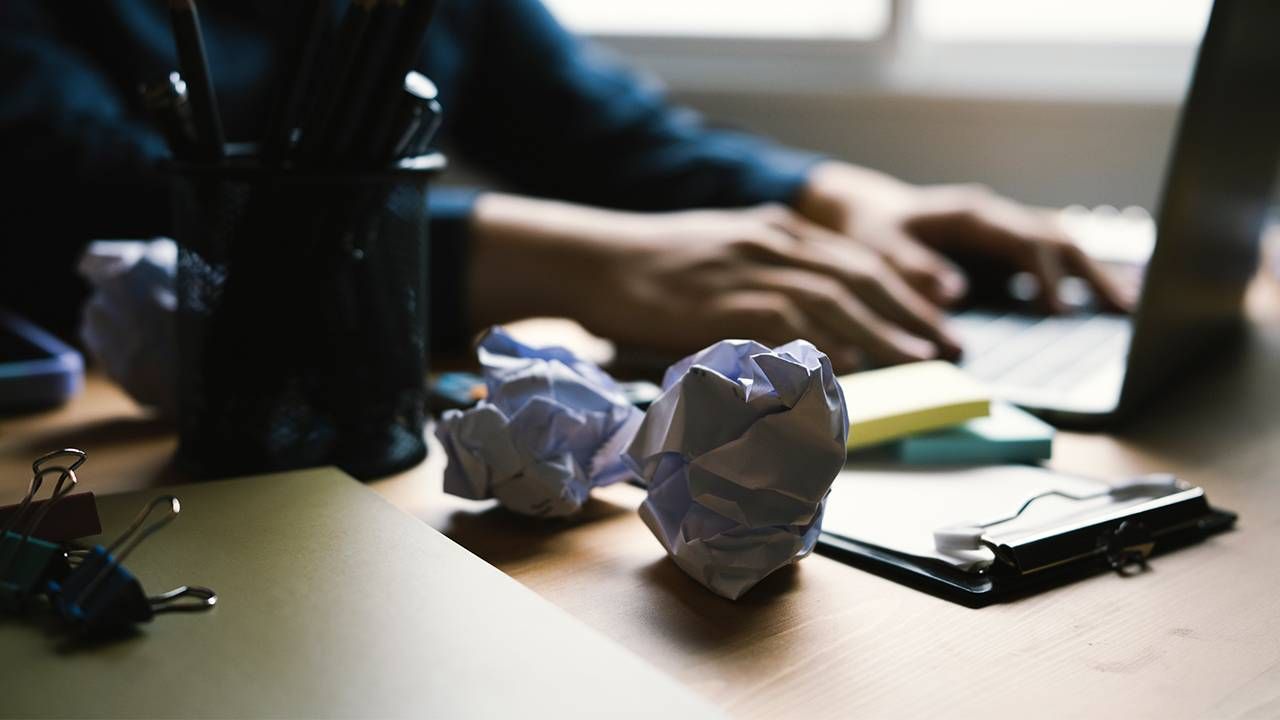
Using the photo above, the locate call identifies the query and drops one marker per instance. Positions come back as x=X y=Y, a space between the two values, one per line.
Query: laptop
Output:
x=1090 y=368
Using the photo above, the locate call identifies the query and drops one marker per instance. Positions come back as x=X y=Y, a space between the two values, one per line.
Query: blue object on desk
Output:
x=27 y=563
x=37 y=370
x=1007 y=435
x=100 y=596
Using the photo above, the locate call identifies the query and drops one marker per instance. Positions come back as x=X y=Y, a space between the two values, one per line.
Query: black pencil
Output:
x=366 y=77
x=303 y=40
x=317 y=135
x=195 y=70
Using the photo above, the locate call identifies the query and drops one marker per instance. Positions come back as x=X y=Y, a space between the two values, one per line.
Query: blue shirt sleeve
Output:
x=77 y=165
x=447 y=266
x=549 y=114
x=555 y=116
x=64 y=126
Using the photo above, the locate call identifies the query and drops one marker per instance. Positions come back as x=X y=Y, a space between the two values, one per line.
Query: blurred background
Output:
x=1051 y=101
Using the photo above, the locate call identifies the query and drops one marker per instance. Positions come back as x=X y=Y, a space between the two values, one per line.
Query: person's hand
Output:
x=770 y=275
x=680 y=281
x=913 y=228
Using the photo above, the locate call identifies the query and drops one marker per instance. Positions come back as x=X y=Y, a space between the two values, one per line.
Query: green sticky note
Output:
x=1007 y=435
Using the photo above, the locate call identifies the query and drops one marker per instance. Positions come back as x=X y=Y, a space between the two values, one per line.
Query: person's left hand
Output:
x=914 y=227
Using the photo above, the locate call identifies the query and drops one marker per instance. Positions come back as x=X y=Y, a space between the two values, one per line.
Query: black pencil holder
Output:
x=302 y=317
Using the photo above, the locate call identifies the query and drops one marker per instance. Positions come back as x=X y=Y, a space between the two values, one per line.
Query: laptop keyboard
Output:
x=1050 y=353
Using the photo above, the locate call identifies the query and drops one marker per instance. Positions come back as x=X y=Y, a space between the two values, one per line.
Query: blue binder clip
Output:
x=101 y=596
x=28 y=564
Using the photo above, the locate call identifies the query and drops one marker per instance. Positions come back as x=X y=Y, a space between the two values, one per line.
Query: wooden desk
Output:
x=1197 y=636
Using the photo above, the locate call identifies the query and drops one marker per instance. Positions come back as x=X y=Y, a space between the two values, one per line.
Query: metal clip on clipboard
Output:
x=1120 y=539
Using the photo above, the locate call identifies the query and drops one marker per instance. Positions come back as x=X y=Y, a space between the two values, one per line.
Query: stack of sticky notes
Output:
x=894 y=402
x=1006 y=435
x=933 y=413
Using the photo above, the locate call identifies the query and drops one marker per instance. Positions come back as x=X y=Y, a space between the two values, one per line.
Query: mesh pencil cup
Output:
x=302 y=315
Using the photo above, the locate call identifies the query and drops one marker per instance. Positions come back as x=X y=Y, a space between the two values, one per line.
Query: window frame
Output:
x=900 y=62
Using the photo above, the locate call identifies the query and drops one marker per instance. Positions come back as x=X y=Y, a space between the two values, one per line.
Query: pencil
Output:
x=194 y=65
x=317 y=136
x=304 y=39
x=366 y=77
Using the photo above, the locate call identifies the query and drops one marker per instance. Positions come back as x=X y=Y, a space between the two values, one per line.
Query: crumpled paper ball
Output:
x=129 y=322
x=552 y=428
x=739 y=453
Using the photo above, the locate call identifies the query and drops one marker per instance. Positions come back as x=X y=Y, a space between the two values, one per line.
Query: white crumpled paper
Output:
x=552 y=428
x=129 y=321
x=739 y=454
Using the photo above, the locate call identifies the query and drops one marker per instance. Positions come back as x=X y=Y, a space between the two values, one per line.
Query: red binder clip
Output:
x=73 y=517
x=27 y=563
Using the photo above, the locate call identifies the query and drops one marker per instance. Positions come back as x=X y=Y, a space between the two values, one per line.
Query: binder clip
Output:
x=973 y=536
x=28 y=563
x=73 y=516
x=101 y=596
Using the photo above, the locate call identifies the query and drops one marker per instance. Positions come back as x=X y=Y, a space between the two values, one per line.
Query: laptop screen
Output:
x=1216 y=195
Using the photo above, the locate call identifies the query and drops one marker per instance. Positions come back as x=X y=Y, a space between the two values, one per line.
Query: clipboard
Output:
x=1065 y=542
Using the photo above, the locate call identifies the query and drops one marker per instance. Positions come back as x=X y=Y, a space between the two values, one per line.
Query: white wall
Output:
x=1045 y=152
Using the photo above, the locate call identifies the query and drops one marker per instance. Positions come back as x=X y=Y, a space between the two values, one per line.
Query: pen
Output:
x=409 y=127
x=194 y=65
x=423 y=115
x=170 y=108
x=404 y=53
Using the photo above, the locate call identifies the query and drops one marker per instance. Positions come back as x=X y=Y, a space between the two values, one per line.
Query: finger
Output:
x=958 y=213
x=893 y=299
x=1046 y=265
x=1106 y=287
x=886 y=332
x=984 y=222
x=772 y=318
x=883 y=341
x=779 y=217
x=770 y=243
x=927 y=271
x=828 y=304
x=874 y=283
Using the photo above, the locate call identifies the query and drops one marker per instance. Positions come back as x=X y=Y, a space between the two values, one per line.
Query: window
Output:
x=1063 y=21
x=852 y=19
x=1103 y=50
x=1023 y=21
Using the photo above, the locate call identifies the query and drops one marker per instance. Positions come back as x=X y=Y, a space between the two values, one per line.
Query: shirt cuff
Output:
x=448 y=257
x=777 y=175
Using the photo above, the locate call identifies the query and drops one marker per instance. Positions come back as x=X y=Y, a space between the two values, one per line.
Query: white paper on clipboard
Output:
x=899 y=509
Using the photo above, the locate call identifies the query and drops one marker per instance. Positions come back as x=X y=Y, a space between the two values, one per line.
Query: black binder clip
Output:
x=27 y=563
x=101 y=596
x=66 y=517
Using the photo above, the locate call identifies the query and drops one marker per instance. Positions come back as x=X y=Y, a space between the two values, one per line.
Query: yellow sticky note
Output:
x=898 y=401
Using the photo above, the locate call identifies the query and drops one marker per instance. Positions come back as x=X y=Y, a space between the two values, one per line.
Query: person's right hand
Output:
x=680 y=281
